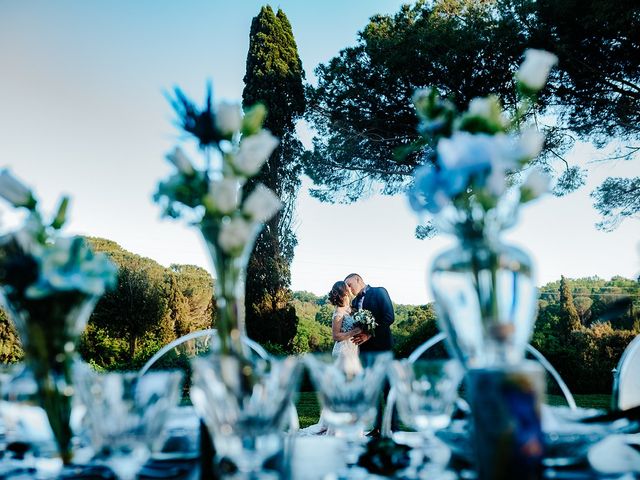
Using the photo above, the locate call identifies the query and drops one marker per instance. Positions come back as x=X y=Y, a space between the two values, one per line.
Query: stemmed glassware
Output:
x=26 y=439
x=245 y=402
x=426 y=391
x=349 y=390
x=125 y=414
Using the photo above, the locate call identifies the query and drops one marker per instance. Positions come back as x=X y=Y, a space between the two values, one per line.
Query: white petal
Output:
x=223 y=194
x=228 y=117
x=12 y=190
x=254 y=152
x=234 y=235
x=531 y=142
x=262 y=204
x=535 y=68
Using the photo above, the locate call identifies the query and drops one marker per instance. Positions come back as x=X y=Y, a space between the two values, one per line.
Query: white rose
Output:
x=234 y=235
x=481 y=107
x=254 y=152
x=180 y=160
x=228 y=117
x=488 y=108
x=12 y=190
x=535 y=68
x=262 y=204
x=223 y=194
x=536 y=184
x=530 y=143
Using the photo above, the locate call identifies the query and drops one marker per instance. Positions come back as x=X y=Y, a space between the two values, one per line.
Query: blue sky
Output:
x=82 y=112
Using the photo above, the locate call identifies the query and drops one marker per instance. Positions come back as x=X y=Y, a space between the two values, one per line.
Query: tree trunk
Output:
x=133 y=345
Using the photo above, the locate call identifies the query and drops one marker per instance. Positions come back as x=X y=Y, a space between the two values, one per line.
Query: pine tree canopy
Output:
x=361 y=105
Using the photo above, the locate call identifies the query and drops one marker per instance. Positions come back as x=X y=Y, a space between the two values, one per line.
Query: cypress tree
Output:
x=179 y=315
x=568 y=312
x=10 y=349
x=274 y=77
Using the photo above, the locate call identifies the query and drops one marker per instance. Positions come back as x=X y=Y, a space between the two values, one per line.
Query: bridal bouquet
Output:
x=220 y=198
x=49 y=287
x=366 y=321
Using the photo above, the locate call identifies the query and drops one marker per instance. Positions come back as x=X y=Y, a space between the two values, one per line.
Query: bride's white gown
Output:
x=346 y=350
x=346 y=353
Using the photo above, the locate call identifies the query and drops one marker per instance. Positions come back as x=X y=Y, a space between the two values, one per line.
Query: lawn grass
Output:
x=594 y=400
x=309 y=410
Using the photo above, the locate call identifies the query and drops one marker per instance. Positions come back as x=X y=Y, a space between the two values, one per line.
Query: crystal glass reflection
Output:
x=125 y=414
x=26 y=439
x=245 y=403
x=426 y=392
x=349 y=393
x=486 y=299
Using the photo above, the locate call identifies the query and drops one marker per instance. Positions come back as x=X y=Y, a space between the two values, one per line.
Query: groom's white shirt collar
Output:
x=363 y=293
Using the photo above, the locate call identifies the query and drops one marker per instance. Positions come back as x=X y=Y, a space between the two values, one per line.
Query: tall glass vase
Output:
x=49 y=329
x=231 y=271
x=486 y=299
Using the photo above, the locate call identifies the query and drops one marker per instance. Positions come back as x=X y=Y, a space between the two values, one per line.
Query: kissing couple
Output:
x=361 y=323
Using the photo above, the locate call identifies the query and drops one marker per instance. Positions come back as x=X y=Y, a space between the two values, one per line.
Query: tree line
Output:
x=151 y=306
x=583 y=325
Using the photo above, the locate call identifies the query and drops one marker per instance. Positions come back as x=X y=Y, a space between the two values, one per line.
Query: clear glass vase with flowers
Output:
x=50 y=286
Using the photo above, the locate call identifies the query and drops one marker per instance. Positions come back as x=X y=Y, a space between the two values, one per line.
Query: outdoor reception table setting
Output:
x=576 y=450
x=480 y=413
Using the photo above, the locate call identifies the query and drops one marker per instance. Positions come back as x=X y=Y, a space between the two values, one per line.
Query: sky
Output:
x=83 y=112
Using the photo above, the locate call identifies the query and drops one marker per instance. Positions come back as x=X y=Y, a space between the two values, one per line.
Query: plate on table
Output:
x=567 y=439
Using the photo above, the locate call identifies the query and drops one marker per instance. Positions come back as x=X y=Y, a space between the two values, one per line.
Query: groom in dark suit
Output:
x=378 y=302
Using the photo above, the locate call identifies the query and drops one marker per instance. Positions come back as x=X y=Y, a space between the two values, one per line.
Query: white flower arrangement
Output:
x=50 y=285
x=36 y=263
x=216 y=193
x=474 y=152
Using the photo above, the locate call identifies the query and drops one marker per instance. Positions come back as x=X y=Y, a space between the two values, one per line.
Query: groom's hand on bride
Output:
x=360 y=338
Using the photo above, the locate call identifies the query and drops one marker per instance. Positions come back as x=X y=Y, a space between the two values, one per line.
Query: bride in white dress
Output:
x=345 y=351
x=342 y=324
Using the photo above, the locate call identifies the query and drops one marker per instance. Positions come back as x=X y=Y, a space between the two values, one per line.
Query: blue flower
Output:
x=477 y=160
x=428 y=191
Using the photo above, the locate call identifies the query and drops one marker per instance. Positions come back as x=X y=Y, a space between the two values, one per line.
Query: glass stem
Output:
x=428 y=440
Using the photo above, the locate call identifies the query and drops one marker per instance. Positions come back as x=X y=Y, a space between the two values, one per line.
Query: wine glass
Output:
x=349 y=391
x=125 y=414
x=25 y=434
x=426 y=392
x=245 y=402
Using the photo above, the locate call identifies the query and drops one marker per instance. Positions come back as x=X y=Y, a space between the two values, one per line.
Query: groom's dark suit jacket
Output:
x=377 y=301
